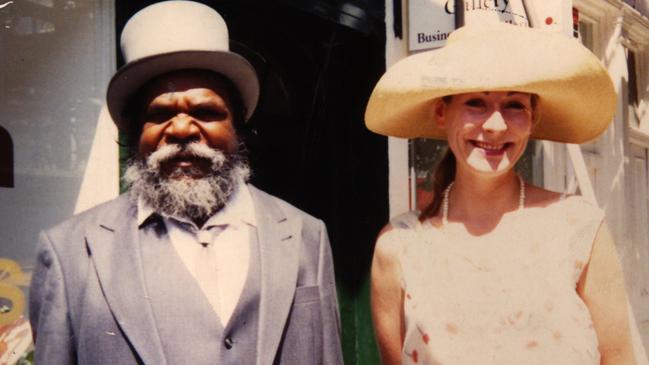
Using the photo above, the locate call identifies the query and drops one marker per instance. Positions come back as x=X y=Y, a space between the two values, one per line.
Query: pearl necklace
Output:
x=521 y=199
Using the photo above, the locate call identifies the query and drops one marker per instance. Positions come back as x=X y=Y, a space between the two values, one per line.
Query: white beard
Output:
x=191 y=198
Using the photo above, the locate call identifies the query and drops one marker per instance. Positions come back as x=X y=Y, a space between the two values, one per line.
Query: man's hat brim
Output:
x=128 y=80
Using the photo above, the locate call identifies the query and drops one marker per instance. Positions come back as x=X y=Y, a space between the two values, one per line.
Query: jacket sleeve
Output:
x=48 y=309
x=329 y=301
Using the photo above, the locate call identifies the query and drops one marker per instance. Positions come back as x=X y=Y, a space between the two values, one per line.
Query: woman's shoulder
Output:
x=396 y=233
x=538 y=197
x=407 y=220
x=562 y=204
x=402 y=222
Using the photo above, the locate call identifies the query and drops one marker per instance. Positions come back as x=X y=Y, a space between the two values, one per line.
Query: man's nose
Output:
x=495 y=123
x=182 y=128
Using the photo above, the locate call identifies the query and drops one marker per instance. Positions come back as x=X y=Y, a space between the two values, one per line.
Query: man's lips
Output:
x=183 y=161
x=185 y=158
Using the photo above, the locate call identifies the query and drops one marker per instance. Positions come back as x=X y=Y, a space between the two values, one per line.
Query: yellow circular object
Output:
x=12 y=303
x=11 y=272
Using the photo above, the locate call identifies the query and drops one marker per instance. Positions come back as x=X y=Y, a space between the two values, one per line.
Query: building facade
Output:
x=611 y=171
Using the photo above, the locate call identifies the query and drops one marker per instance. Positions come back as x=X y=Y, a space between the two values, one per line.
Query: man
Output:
x=193 y=265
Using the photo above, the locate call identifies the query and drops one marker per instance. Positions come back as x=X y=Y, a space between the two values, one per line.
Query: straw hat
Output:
x=576 y=95
x=176 y=35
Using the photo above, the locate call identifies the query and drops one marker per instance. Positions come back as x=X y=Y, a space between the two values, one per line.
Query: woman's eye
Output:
x=515 y=105
x=475 y=103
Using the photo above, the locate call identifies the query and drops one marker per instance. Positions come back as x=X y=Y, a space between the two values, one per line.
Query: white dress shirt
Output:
x=221 y=246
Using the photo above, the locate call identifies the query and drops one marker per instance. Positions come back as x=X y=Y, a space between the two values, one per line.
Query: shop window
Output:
x=424 y=154
x=585 y=34
x=56 y=60
x=6 y=159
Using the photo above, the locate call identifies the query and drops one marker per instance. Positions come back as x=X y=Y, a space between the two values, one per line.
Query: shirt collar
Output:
x=239 y=209
x=144 y=211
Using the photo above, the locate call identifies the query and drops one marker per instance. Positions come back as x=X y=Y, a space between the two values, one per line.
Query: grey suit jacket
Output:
x=88 y=302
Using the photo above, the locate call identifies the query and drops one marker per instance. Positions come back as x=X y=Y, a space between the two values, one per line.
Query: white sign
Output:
x=431 y=21
x=554 y=14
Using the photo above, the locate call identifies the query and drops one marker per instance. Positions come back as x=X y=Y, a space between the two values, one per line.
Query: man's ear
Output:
x=439 y=113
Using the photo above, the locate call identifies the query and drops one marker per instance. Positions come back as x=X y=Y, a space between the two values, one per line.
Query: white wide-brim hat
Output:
x=576 y=94
x=176 y=35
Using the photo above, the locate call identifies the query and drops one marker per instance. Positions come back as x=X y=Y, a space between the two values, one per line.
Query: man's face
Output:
x=184 y=107
x=189 y=162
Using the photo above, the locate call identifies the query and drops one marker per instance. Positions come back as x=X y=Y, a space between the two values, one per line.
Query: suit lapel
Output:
x=279 y=256
x=114 y=247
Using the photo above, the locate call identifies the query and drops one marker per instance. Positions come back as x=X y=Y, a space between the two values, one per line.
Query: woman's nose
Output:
x=495 y=123
x=182 y=128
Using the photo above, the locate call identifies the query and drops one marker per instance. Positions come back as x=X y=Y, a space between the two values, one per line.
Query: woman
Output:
x=495 y=270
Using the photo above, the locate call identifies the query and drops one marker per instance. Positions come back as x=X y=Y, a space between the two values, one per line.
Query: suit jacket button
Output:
x=228 y=342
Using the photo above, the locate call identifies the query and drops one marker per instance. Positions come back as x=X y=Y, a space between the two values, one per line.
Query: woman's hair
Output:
x=445 y=170
x=444 y=174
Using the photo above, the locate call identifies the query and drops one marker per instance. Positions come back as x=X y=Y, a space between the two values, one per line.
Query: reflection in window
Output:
x=586 y=35
x=49 y=83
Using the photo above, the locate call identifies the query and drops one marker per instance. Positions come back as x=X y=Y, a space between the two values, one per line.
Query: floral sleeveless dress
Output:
x=508 y=297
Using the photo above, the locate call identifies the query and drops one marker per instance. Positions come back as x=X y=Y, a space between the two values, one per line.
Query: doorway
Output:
x=317 y=62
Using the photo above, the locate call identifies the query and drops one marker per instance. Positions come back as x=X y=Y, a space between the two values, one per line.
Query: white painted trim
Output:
x=636 y=26
x=398 y=160
x=581 y=173
x=554 y=166
x=638 y=137
x=399 y=173
x=636 y=39
x=101 y=176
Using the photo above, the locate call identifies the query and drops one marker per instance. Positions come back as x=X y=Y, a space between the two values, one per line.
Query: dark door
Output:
x=318 y=62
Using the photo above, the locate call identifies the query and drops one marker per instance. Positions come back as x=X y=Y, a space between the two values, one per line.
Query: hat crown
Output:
x=173 y=26
x=577 y=99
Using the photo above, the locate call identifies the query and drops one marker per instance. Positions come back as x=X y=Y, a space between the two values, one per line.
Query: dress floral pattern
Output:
x=507 y=297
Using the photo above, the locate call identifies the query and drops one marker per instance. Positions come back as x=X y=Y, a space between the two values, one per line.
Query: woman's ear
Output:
x=536 y=112
x=439 y=113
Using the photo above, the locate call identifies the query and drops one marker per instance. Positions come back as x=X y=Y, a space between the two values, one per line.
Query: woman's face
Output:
x=487 y=131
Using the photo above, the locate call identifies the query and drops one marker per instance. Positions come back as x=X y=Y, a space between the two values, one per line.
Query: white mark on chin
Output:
x=6 y=4
x=110 y=333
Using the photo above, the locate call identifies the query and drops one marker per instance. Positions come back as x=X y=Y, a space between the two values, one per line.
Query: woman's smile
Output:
x=491 y=149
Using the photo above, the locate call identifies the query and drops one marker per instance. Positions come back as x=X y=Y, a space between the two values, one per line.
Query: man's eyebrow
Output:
x=514 y=92
x=207 y=103
x=160 y=106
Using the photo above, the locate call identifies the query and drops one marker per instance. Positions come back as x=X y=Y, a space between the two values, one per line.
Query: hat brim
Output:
x=576 y=95
x=129 y=79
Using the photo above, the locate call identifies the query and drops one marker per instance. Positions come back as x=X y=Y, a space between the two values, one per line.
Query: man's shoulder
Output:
x=108 y=212
x=265 y=200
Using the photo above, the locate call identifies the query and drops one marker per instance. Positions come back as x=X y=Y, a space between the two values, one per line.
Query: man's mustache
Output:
x=195 y=149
